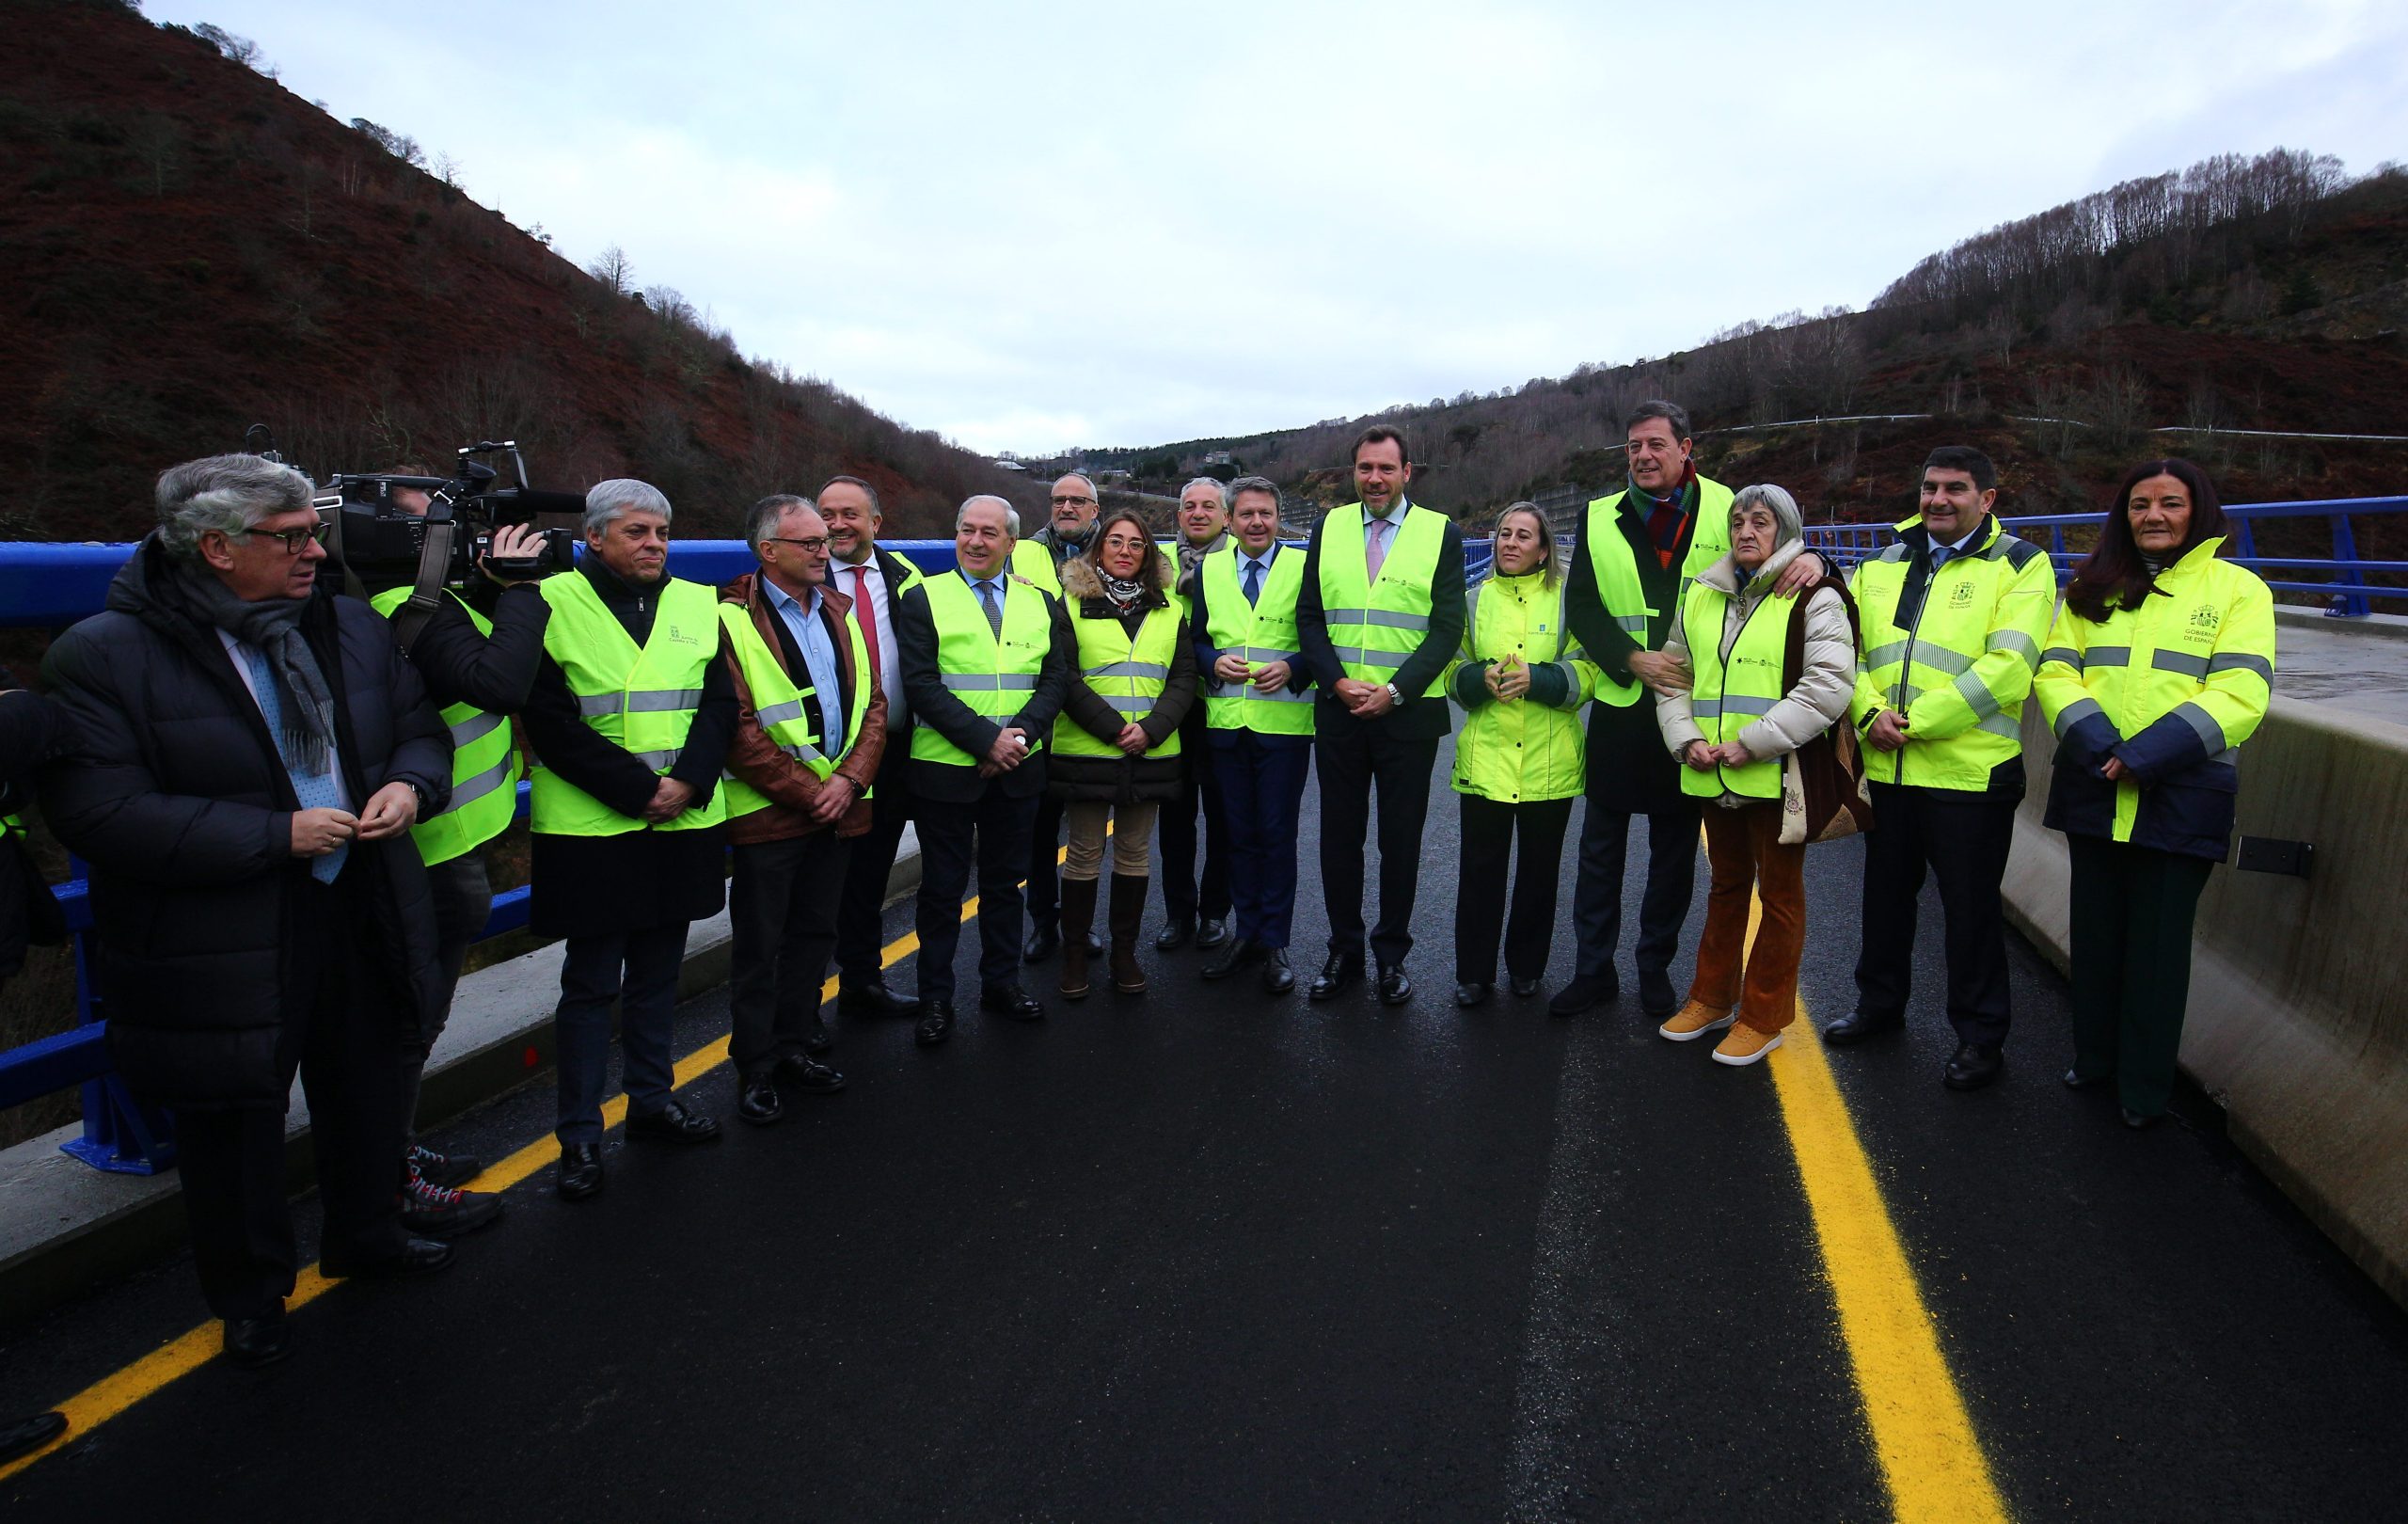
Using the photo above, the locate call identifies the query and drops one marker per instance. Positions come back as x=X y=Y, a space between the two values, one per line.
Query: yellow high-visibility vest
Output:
x=641 y=699
x=485 y=765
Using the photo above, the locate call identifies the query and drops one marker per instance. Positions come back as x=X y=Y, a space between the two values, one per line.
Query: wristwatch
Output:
x=1394 y=698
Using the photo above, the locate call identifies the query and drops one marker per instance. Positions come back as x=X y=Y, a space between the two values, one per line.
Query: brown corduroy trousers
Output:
x=1743 y=851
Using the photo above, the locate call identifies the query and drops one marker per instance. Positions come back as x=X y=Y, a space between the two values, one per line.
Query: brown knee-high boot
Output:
x=1078 y=920
x=1127 y=914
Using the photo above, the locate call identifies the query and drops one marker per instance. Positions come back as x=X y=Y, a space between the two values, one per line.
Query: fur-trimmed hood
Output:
x=1080 y=581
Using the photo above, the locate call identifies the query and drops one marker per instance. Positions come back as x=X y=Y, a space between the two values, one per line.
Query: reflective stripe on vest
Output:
x=1728 y=696
x=993 y=676
x=642 y=700
x=1262 y=632
x=780 y=704
x=1128 y=674
x=1374 y=626
x=485 y=766
x=1521 y=751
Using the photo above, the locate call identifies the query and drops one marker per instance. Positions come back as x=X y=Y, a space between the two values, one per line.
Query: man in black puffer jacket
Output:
x=244 y=756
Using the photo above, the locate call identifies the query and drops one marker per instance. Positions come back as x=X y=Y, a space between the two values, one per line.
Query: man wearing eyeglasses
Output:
x=245 y=753
x=1038 y=559
x=809 y=731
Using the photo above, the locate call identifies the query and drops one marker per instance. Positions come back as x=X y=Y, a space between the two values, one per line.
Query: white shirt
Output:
x=872 y=586
x=242 y=652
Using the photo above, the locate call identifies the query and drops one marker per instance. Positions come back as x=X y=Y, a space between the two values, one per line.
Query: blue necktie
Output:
x=1939 y=554
x=315 y=790
x=1253 y=580
x=995 y=610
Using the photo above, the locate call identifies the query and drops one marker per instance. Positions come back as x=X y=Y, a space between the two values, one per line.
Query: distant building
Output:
x=1219 y=457
x=1009 y=465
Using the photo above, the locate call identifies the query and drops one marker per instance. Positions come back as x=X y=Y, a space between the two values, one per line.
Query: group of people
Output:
x=285 y=796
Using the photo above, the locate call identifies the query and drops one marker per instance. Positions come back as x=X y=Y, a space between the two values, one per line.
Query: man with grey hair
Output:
x=809 y=731
x=1188 y=908
x=245 y=753
x=632 y=717
x=987 y=660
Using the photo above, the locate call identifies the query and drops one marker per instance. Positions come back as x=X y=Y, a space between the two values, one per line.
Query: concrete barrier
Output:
x=2299 y=993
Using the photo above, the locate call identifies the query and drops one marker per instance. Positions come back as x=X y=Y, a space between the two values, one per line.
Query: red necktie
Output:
x=867 y=613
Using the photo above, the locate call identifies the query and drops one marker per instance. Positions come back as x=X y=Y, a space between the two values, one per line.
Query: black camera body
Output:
x=383 y=543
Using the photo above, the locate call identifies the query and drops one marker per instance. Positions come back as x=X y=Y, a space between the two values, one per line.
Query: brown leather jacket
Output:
x=756 y=758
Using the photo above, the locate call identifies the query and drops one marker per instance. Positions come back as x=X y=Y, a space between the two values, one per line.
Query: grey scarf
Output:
x=273 y=625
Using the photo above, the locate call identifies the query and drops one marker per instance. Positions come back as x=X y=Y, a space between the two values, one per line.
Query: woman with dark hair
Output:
x=1116 y=753
x=2161 y=664
x=1521 y=759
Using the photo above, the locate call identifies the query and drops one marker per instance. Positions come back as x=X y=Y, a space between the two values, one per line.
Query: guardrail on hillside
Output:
x=2345 y=571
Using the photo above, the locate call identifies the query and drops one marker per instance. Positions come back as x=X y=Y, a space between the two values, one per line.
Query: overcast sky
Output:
x=1035 y=227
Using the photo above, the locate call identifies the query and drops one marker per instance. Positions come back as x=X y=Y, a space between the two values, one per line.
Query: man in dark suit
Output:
x=1380 y=615
x=986 y=658
x=875 y=581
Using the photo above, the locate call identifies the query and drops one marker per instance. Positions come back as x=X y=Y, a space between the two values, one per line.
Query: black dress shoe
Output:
x=814 y=1037
x=2136 y=1121
x=1585 y=991
x=1175 y=933
x=1236 y=953
x=1466 y=994
x=809 y=1074
x=1211 y=933
x=1014 y=1004
x=2076 y=1080
x=1974 y=1065
x=1656 y=995
x=875 y=998
x=1043 y=942
x=1277 y=977
x=251 y=1342
x=757 y=1099
x=27 y=1435
x=936 y=1024
x=579 y=1173
x=672 y=1123
x=1339 y=973
x=1860 y=1023
x=417 y=1257
x=1523 y=989
x=1395 y=989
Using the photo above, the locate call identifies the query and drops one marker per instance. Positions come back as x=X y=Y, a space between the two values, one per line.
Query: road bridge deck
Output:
x=1207 y=1255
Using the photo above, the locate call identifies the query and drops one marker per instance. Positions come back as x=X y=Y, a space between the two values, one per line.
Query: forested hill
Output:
x=2242 y=294
x=189 y=248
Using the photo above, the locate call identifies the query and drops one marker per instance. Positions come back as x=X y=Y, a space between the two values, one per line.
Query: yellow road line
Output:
x=114 y=1393
x=1929 y=1457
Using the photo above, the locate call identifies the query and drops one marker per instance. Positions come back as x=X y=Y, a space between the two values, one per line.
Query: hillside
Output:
x=2259 y=294
x=190 y=248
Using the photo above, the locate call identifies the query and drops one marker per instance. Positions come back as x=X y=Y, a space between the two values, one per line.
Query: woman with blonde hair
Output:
x=1521 y=759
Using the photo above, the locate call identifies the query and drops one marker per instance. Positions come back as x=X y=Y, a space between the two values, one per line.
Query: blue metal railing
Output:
x=2345 y=573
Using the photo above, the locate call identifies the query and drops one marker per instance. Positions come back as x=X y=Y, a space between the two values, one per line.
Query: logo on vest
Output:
x=2205 y=619
x=678 y=637
x=1961 y=596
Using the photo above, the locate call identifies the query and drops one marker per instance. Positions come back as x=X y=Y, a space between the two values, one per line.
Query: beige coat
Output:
x=1822 y=692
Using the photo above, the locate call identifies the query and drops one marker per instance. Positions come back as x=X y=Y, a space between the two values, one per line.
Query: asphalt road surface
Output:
x=1205 y=1255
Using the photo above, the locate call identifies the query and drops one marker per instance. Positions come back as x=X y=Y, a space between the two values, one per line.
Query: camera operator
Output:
x=479 y=664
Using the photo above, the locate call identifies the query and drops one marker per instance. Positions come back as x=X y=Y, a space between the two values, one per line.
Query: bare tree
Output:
x=614 y=270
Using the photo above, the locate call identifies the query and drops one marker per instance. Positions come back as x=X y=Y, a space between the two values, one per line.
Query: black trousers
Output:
x=781 y=923
x=1962 y=838
x=1352 y=761
x=233 y=1161
x=1489 y=828
x=992 y=834
x=2131 y=915
x=1044 y=867
x=637 y=971
x=861 y=912
x=1262 y=783
x=1663 y=905
x=463 y=903
x=1184 y=899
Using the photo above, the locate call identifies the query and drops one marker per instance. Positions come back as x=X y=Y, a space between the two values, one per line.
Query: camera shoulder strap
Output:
x=434 y=561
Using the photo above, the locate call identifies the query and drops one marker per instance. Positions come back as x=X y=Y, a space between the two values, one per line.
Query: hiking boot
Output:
x=446 y=1169
x=432 y=1211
